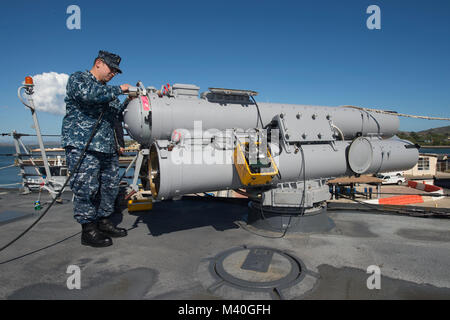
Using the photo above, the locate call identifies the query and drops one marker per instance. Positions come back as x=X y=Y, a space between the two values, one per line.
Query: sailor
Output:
x=96 y=183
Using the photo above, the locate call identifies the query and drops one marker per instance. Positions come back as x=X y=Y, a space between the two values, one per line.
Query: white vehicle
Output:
x=392 y=173
x=392 y=179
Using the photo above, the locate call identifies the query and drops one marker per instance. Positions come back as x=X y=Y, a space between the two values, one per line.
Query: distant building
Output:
x=426 y=166
x=443 y=163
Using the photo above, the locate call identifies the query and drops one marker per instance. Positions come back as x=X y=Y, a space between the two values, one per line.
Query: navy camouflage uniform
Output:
x=96 y=184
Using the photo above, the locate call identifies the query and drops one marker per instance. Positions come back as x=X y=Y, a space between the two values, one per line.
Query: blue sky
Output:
x=301 y=52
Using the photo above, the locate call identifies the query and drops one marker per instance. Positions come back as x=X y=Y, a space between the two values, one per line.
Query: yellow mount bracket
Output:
x=249 y=178
x=139 y=201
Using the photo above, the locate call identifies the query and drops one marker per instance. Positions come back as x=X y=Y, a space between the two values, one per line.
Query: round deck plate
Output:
x=257 y=273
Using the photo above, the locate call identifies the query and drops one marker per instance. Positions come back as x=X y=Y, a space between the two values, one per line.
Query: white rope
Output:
x=13 y=165
x=397 y=114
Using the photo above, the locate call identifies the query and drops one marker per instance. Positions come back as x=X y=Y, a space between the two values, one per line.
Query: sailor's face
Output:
x=106 y=73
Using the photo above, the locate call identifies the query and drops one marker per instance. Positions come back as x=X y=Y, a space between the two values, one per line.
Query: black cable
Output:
x=304 y=179
x=64 y=185
x=259 y=113
x=302 y=205
x=262 y=200
x=41 y=249
x=376 y=207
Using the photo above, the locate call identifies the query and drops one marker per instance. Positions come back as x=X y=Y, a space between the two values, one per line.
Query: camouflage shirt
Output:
x=86 y=97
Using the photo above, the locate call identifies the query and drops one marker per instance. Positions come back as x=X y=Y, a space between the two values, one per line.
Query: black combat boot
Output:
x=91 y=236
x=107 y=227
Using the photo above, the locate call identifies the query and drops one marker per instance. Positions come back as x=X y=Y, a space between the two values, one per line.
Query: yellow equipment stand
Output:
x=139 y=205
x=139 y=202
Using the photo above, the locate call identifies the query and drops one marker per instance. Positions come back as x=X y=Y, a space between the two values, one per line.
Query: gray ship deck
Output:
x=168 y=251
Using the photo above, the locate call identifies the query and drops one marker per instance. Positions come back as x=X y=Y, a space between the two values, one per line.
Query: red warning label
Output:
x=145 y=103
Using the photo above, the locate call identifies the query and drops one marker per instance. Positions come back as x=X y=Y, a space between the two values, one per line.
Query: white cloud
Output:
x=49 y=92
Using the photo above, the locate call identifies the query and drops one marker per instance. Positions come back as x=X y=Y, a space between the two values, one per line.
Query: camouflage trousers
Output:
x=95 y=185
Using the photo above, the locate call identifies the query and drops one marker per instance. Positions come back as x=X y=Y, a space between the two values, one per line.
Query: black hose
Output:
x=65 y=184
x=259 y=113
x=400 y=211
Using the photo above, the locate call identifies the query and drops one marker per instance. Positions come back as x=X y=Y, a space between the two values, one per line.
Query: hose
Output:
x=401 y=210
x=77 y=166
x=259 y=113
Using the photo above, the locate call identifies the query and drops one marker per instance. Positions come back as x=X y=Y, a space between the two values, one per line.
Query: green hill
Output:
x=430 y=137
x=440 y=130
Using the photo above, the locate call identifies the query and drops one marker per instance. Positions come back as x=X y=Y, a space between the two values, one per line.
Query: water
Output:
x=435 y=150
x=11 y=178
x=9 y=175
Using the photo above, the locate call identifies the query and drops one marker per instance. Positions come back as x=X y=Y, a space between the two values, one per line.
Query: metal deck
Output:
x=167 y=250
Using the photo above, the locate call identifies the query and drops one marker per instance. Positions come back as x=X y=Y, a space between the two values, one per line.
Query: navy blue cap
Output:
x=111 y=59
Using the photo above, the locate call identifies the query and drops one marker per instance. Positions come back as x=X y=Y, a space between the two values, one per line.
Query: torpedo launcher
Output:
x=281 y=155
